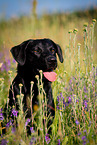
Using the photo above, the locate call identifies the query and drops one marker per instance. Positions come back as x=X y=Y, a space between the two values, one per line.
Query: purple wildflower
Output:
x=79 y=133
x=32 y=129
x=32 y=141
x=1 y=116
x=84 y=138
x=13 y=129
x=85 y=103
x=9 y=123
x=77 y=101
x=4 y=142
x=84 y=142
x=90 y=123
x=4 y=67
x=59 y=142
x=61 y=95
x=70 y=89
x=85 y=89
x=14 y=61
x=85 y=96
x=64 y=103
x=60 y=100
x=28 y=120
x=93 y=82
x=8 y=62
x=70 y=82
x=47 y=138
x=14 y=112
x=1 y=55
x=77 y=122
x=58 y=107
x=1 y=110
x=73 y=78
x=69 y=100
x=85 y=131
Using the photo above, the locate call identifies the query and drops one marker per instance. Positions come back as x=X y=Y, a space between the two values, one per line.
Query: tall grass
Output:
x=74 y=92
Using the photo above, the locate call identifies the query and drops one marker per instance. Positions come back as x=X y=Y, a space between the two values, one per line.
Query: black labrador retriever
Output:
x=32 y=56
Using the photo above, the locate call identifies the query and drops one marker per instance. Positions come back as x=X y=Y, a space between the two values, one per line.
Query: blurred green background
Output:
x=55 y=19
x=48 y=24
x=54 y=25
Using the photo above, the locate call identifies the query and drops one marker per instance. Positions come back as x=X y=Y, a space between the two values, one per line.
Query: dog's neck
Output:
x=28 y=73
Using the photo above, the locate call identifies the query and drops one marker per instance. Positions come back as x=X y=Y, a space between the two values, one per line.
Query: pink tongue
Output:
x=51 y=76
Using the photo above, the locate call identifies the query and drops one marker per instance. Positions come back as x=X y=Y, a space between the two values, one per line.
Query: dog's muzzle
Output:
x=52 y=62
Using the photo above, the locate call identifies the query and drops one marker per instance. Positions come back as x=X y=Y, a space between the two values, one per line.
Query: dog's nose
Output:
x=51 y=60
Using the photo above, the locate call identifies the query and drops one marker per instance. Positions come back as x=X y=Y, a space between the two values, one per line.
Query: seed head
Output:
x=22 y=95
x=35 y=107
x=79 y=44
x=32 y=82
x=85 y=24
x=94 y=20
x=41 y=86
x=40 y=71
x=20 y=85
x=9 y=72
x=70 y=31
x=85 y=77
x=65 y=72
x=18 y=96
x=67 y=46
x=74 y=95
x=13 y=106
x=1 y=65
x=89 y=81
x=1 y=79
x=75 y=31
x=84 y=29
x=91 y=25
x=37 y=77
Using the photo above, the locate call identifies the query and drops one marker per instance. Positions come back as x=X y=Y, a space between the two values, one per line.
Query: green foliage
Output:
x=74 y=91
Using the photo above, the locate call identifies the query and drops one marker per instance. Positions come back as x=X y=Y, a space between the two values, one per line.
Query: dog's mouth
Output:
x=51 y=76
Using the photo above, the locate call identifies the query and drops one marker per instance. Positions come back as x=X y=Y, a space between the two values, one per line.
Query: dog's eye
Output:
x=52 y=50
x=38 y=50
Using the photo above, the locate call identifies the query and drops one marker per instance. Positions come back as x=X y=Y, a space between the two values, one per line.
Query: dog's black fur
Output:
x=32 y=56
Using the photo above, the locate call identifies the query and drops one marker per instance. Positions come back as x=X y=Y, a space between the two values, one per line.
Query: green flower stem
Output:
x=70 y=47
x=21 y=100
x=32 y=83
x=85 y=52
x=79 y=58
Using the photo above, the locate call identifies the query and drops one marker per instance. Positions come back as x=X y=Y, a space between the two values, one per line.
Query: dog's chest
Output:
x=31 y=97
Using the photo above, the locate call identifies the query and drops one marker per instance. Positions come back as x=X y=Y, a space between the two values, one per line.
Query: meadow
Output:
x=74 y=91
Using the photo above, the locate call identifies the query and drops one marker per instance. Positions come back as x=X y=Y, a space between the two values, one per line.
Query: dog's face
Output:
x=39 y=54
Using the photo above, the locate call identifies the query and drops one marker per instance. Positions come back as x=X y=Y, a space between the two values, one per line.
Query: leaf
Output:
x=65 y=140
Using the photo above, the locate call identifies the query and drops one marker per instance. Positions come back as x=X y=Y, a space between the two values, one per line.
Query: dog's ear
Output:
x=19 y=52
x=59 y=52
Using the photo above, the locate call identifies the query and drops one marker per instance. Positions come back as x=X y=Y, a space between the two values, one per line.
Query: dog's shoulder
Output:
x=16 y=84
x=17 y=80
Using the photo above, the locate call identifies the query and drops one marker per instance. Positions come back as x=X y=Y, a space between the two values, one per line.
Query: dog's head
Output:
x=39 y=54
